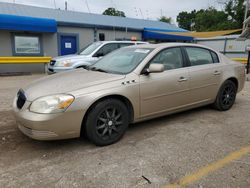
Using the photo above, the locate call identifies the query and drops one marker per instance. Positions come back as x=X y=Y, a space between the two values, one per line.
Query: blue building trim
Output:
x=177 y=29
x=24 y=23
x=153 y=34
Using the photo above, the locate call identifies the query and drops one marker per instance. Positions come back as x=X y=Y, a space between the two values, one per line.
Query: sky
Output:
x=142 y=9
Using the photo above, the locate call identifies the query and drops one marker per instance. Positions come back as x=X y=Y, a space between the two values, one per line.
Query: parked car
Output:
x=87 y=56
x=129 y=85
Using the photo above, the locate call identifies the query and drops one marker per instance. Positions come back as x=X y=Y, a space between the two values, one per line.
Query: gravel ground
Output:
x=151 y=154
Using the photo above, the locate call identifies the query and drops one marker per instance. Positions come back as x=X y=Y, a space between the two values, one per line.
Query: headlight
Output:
x=66 y=63
x=51 y=104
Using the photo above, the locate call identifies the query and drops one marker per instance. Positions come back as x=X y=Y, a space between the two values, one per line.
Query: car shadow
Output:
x=17 y=140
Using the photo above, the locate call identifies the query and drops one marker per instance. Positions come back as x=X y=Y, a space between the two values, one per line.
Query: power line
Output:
x=86 y=1
x=141 y=13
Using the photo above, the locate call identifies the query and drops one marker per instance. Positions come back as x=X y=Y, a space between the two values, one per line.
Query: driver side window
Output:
x=171 y=58
x=107 y=49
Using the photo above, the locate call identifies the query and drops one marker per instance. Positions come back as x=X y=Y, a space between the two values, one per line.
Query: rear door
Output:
x=205 y=73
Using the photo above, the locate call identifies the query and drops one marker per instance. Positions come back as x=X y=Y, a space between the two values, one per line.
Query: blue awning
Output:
x=158 y=34
x=23 y=23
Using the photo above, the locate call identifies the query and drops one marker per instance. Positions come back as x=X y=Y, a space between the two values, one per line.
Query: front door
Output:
x=166 y=91
x=68 y=45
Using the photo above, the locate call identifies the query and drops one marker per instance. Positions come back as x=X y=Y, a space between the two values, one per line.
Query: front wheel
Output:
x=107 y=122
x=226 y=96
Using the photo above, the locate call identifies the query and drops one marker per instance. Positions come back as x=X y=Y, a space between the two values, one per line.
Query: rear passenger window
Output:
x=215 y=57
x=199 y=56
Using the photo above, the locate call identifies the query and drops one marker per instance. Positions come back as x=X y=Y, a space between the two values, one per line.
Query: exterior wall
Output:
x=5 y=43
x=86 y=35
x=228 y=46
x=49 y=42
x=117 y=34
x=51 y=45
x=22 y=68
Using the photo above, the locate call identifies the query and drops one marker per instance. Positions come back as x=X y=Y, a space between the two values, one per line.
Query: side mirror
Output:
x=154 y=68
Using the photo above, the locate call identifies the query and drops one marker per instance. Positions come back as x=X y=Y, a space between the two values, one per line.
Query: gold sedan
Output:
x=129 y=85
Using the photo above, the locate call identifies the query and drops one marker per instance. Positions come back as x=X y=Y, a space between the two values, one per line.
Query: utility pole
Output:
x=55 y=4
x=246 y=11
x=245 y=27
x=66 y=5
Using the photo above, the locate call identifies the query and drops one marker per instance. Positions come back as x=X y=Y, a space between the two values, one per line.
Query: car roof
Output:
x=171 y=44
x=123 y=41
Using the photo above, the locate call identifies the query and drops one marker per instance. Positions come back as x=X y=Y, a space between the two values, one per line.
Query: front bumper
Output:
x=53 y=69
x=48 y=126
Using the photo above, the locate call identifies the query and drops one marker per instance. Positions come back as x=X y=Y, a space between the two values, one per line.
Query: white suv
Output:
x=87 y=56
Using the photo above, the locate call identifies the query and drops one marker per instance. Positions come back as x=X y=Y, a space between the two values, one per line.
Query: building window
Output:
x=27 y=45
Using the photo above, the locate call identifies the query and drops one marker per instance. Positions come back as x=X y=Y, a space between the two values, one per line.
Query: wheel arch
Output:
x=121 y=98
x=234 y=80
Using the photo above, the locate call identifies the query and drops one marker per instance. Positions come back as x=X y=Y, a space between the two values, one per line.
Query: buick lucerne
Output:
x=129 y=85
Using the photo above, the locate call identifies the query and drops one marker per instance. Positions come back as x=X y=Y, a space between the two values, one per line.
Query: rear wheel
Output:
x=226 y=96
x=107 y=122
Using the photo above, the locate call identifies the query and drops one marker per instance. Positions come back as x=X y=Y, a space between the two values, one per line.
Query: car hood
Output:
x=72 y=58
x=67 y=82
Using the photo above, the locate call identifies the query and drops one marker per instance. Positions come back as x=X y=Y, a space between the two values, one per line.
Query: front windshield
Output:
x=89 y=49
x=122 y=61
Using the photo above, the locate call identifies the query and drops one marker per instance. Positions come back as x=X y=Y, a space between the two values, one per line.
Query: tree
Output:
x=185 y=19
x=165 y=19
x=210 y=19
x=235 y=10
x=113 y=12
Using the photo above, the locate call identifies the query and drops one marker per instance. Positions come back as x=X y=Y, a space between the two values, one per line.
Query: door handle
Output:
x=182 y=79
x=217 y=72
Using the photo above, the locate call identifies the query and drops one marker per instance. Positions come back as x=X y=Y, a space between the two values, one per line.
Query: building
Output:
x=230 y=45
x=28 y=30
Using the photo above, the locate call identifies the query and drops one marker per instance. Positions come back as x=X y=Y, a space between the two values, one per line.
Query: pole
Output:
x=55 y=4
x=248 y=62
x=246 y=11
x=66 y=5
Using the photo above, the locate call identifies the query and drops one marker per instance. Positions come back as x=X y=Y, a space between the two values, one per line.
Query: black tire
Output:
x=107 y=122
x=226 y=96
